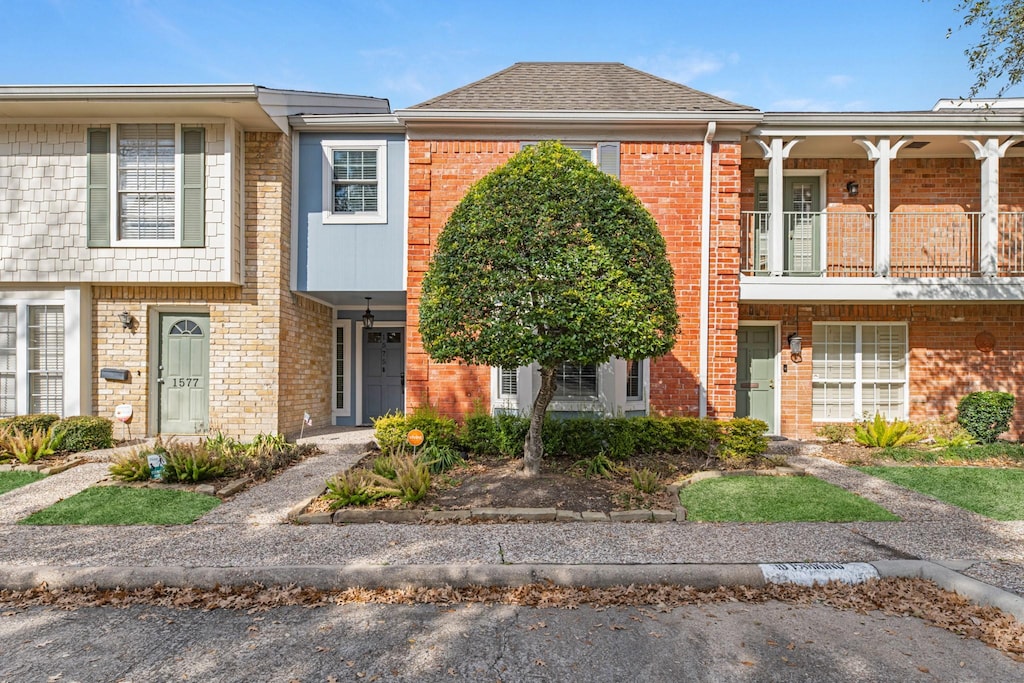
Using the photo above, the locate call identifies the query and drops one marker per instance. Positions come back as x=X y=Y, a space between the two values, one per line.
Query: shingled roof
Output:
x=577 y=86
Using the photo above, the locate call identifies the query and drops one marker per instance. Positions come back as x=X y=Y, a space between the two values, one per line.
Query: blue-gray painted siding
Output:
x=349 y=257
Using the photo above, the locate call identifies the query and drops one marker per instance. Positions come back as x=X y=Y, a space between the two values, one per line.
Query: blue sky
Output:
x=777 y=55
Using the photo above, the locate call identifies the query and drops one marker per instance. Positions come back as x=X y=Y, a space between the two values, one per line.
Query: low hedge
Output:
x=30 y=423
x=83 y=433
x=736 y=442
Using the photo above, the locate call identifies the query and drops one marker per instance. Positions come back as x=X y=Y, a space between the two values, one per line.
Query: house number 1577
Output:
x=178 y=382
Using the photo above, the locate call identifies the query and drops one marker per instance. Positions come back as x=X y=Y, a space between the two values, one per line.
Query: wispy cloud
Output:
x=815 y=104
x=839 y=80
x=686 y=67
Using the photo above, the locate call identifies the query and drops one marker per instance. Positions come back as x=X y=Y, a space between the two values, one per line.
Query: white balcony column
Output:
x=776 y=150
x=989 y=152
x=882 y=151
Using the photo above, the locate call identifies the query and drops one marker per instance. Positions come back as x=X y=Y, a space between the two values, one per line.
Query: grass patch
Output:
x=122 y=505
x=1001 y=450
x=776 y=499
x=12 y=480
x=995 y=493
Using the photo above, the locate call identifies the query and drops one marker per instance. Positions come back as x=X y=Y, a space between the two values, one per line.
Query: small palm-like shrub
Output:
x=597 y=466
x=645 y=480
x=131 y=467
x=28 y=447
x=358 y=487
x=440 y=459
x=881 y=434
x=191 y=463
x=412 y=478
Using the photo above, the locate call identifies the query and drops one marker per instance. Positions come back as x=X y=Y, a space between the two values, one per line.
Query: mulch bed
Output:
x=495 y=482
x=853 y=454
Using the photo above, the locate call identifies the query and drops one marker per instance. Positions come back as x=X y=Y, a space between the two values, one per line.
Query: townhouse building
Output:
x=233 y=257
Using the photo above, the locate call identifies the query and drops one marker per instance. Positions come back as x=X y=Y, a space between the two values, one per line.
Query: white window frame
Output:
x=115 y=192
x=858 y=378
x=21 y=303
x=359 y=217
x=346 y=369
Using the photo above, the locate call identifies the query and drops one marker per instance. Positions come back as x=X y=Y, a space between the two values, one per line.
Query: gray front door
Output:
x=183 y=373
x=755 y=374
x=383 y=372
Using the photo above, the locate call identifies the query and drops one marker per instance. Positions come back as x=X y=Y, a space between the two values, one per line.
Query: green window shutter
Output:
x=193 y=191
x=608 y=157
x=97 y=216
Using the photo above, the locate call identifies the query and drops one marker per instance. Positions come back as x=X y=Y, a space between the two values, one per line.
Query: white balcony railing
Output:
x=842 y=244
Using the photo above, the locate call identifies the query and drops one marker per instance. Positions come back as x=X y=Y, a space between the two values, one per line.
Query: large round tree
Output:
x=548 y=260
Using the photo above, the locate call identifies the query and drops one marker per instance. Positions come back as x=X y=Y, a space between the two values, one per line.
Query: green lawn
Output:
x=12 y=480
x=1001 y=450
x=995 y=493
x=123 y=505
x=776 y=499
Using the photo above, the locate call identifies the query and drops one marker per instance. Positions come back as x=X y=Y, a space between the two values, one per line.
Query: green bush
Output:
x=391 y=430
x=30 y=423
x=481 y=434
x=834 y=433
x=652 y=434
x=83 y=433
x=620 y=437
x=986 y=414
x=694 y=435
x=742 y=441
x=512 y=430
x=880 y=434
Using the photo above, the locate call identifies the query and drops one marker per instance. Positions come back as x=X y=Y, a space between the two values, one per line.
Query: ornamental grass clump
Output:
x=881 y=434
x=358 y=487
x=28 y=447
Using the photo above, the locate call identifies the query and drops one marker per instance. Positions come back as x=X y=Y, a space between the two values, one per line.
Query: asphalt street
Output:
x=371 y=642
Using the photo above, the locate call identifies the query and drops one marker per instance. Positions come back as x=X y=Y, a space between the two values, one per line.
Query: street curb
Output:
x=701 y=576
x=328 y=577
x=972 y=589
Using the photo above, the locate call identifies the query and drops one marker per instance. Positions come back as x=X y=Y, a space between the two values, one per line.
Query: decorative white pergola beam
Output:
x=882 y=151
x=989 y=152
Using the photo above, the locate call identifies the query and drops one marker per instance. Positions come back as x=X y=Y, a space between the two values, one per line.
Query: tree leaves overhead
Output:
x=547 y=259
x=999 y=53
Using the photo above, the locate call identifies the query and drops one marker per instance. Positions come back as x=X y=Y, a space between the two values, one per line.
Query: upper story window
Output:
x=355 y=181
x=145 y=181
x=146 y=185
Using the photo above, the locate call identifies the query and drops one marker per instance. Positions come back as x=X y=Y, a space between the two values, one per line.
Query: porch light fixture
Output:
x=126 y=319
x=852 y=188
x=368 y=317
x=796 y=344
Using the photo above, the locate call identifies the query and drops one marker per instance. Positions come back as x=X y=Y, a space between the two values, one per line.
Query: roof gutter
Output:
x=126 y=92
x=705 y=268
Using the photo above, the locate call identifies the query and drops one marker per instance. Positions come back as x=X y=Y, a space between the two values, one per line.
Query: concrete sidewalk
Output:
x=247 y=537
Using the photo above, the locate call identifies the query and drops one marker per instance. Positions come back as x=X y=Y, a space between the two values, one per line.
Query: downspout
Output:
x=705 y=270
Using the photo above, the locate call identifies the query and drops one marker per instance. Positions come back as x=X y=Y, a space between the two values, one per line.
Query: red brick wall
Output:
x=440 y=173
x=945 y=362
x=666 y=177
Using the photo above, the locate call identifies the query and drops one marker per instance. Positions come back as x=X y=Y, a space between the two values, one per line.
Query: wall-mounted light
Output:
x=796 y=344
x=852 y=188
x=368 y=317
x=126 y=320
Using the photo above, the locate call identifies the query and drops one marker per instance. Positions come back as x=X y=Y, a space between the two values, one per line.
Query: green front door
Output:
x=183 y=373
x=755 y=374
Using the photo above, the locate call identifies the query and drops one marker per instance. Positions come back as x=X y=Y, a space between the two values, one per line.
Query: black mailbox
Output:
x=115 y=374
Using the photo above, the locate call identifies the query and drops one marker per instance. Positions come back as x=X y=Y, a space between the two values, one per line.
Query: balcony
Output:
x=922 y=244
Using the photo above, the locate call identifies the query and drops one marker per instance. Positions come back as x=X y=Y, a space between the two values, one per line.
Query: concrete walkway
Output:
x=247 y=532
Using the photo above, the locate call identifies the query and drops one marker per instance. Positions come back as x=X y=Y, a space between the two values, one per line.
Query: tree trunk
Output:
x=533 y=449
